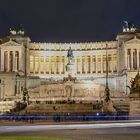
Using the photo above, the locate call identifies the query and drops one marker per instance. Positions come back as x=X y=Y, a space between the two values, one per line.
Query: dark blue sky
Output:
x=69 y=20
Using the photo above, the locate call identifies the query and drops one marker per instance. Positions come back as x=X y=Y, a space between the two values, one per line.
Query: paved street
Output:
x=99 y=131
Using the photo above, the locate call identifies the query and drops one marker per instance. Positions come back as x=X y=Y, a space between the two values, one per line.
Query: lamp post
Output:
x=126 y=81
x=124 y=73
x=107 y=91
x=25 y=91
x=16 y=76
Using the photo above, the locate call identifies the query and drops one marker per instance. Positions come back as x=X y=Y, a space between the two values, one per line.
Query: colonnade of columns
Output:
x=132 y=59
x=9 y=61
x=47 y=65
x=83 y=64
x=96 y=64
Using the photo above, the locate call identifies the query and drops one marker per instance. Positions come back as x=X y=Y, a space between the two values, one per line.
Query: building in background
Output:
x=48 y=78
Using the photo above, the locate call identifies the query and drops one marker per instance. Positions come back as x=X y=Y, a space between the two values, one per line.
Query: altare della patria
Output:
x=83 y=73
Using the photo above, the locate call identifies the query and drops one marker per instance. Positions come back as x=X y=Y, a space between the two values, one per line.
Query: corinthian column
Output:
x=2 y=60
x=101 y=63
x=81 y=64
x=112 y=63
x=91 y=65
x=8 y=61
x=34 y=63
x=44 y=64
x=138 y=58
x=126 y=60
x=96 y=63
x=131 y=58
x=14 y=61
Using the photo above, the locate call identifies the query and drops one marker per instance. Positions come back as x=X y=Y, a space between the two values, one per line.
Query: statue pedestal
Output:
x=134 y=104
x=70 y=69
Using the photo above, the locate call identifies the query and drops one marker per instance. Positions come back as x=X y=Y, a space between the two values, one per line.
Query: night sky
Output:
x=69 y=20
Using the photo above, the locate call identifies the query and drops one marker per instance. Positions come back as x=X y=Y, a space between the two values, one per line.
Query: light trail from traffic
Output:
x=27 y=128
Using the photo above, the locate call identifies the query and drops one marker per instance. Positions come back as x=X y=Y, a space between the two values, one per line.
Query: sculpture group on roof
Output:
x=129 y=27
x=19 y=30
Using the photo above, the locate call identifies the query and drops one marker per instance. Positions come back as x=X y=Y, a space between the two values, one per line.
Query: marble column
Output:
x=2 y=60
x=54 y=64
x=131 y=59
x=101 y=63
x=64 y=64
x=138 y=57
x=75 y=72
x=8 y=61
x=112 y=63
x=128 y=61
x=125 y=58
x=91 y=64
x=14 y=62
x=34 y=63
x=86 y=65
x=59 y=65
x=39 y=62
x=20 y=61
x=81 y=64
x=44 y=64
x=16 y=59
x=96 y=63
x=49 y=65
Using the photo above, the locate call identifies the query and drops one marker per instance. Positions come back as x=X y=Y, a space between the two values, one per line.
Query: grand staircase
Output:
x=122 y=108
x=62 y=109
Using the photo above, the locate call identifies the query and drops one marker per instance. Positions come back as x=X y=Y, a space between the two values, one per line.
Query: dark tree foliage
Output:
x=135 y=84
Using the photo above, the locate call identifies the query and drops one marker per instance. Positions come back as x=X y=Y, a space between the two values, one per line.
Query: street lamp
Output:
x=16 y=76
x=125 y=72
x=126 y=81
x=107 y=91
x=25 y=91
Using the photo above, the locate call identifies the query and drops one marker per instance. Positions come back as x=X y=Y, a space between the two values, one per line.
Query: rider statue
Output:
x=70 y=55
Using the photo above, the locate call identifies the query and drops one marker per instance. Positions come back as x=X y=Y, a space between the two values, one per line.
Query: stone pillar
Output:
x=16 y=59
x=14 y=62
x=2 y=60
x=64 y=64
x=91 y=64
x=96 y=64
x=60 y=65
x=39 y=64
x=34 y=63
x=49 y=65
x=138 y=57
x=131 y=59
x=101 y=63
x=81 y=64
x=44 y=64
x=112 y=63
x=126 y=61
x=8 y=61
x=75 y=72
x=86 y=64
x=20 y=61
